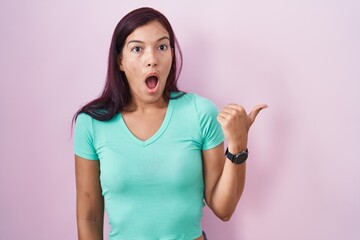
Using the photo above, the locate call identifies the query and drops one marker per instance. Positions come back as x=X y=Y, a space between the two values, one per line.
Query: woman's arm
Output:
x=89 y=200
x=224 y=180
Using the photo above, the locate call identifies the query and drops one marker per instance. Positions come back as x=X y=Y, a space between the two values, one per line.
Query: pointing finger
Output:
x=252 y=115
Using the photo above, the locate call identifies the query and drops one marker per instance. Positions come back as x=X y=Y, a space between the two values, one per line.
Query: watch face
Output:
x=241 y=157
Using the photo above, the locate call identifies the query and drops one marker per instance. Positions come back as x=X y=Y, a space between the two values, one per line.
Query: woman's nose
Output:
x=151 y=59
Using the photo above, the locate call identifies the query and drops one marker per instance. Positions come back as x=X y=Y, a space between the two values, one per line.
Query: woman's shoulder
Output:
x=191 y=97
x=193 y=102
x=201 y=102
x=83 y=118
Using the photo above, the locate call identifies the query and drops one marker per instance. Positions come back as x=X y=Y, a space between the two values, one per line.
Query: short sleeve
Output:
x=210 y=128
x=84 y=137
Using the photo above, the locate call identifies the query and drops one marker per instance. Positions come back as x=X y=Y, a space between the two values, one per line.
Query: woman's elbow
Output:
x=223 y=211
x=225 y=217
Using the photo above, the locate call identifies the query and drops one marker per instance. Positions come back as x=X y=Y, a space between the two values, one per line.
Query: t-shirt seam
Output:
x=93 y=138
x=198 y=121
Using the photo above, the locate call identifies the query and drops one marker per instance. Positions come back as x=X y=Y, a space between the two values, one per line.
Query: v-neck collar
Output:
x=157 y=134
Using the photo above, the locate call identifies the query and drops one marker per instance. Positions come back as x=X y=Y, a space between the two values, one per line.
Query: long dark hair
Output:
x=116 y=94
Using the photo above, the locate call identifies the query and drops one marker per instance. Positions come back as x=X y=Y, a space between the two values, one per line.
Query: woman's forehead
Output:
x=152 y=31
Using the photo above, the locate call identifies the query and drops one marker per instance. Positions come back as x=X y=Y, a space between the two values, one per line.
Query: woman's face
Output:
x=146 y=61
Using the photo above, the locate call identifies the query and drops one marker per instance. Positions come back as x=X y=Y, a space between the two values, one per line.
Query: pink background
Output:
x=299 y=57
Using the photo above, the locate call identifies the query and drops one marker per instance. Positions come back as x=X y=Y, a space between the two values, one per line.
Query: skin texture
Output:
x=147 y=52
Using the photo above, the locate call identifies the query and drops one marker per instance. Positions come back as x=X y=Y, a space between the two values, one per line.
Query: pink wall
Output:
x=301 y=58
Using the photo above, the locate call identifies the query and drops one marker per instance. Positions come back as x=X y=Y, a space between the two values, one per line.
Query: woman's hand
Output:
x=236 y=123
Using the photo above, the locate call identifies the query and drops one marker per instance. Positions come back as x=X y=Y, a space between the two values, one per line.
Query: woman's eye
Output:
x=136 y=49
x=162 y=47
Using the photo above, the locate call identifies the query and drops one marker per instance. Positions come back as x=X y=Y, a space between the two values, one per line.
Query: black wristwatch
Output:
x=238 y=158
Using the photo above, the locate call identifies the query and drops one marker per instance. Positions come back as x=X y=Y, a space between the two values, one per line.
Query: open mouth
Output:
x=151 y=82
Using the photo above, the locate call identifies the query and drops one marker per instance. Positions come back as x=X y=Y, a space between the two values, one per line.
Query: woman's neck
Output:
x=144 y=107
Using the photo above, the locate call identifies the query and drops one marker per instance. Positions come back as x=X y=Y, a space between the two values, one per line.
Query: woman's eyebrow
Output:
x=134 y=41
x=138 y=41
x=163 y=38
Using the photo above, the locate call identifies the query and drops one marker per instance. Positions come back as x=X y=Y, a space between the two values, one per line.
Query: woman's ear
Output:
x=118 y=59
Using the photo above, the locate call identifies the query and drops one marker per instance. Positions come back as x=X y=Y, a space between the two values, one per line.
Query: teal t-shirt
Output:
x=153 y=189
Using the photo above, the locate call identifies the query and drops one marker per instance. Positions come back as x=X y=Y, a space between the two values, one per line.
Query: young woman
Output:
x=150 y=154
